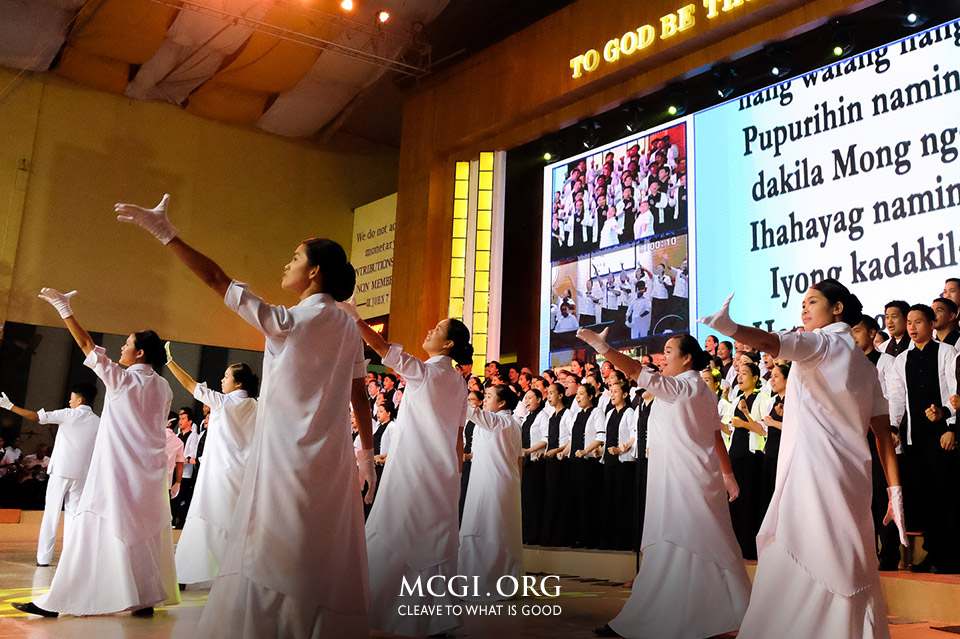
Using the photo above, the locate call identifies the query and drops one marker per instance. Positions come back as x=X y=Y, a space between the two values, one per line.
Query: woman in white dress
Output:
x=412 y=530
x=817 y=572
x=692 y=582
x=491 y=546
x=299 y=513
x=119 y=555
x=233 y=417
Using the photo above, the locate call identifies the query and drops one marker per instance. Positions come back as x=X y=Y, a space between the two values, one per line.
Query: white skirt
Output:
x=200 y=550
x=788 y=603
x=99 y=574
x=387 y=573
x=488 y=563
x=239 y=608
x=680 y=595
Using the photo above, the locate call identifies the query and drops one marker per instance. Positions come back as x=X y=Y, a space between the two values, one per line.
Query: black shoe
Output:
x=33 y=609
x=943 y=569
x=182 y=587
x=923 y=566
x=889 y=566
x=605 y=631
x=143 y=612
x=42 y=565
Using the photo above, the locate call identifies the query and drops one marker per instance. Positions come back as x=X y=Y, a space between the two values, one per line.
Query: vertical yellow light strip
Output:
x=458 y=262
x=481 y=288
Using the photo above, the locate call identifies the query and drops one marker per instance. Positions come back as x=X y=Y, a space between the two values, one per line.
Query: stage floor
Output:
x=584 y=603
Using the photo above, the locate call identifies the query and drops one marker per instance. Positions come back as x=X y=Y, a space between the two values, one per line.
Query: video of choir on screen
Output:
x=621 y=195
x=584 y=434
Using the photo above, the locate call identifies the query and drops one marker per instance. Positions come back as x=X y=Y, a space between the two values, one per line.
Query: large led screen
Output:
x=849 y=171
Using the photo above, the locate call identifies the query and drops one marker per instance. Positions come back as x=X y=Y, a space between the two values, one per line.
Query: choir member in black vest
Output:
x=773 y=422
x=641 y=405
x=895 y=317
x=887 y=535
x=474 y=398
x=385 y=414
x=617 y=514
x=556 y=494
x=747 y=511
x=945 y=325
x=533 y=440
x=585 y=472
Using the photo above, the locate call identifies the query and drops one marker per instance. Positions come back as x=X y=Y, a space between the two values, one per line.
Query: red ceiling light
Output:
x=346 y=5
x=383 y=16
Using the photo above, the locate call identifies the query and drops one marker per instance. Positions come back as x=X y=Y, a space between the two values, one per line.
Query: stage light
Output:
x=550 y=149
x=912 y=13
x=842 y=36
x=591 y=138
x=346 y=5
x=383 y=16
x=779 y=60
x=634 y=118
x=725 y=79
x=677 y=100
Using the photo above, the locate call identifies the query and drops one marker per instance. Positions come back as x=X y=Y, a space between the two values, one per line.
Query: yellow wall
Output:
x=244 y=197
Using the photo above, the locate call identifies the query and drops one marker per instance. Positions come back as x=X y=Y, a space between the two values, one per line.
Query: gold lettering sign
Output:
x=632 y=42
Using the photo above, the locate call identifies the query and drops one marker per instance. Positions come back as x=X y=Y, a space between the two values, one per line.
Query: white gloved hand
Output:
x=350 y=308
x=5 y=402
x=720 y=321
x=895 y=511
x=597 y=340
x=166 y=347
x=60 y=301
x=154 y=220
x=175 y=490
x=368 y=474
x=731 y=486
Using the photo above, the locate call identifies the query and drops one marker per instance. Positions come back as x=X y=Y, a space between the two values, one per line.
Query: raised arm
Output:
x=630 y=367
x=61 y=302
x=22 y=412
x=185 y=380
x=156 y=222
x=755 y=337
x=370 y=336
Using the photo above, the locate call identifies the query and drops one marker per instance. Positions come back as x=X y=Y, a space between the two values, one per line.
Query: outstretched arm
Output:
x=185 y=380
x=61 y=302
x=22 y=412
x=370 y=336
x=749 y=335
x=155 y=221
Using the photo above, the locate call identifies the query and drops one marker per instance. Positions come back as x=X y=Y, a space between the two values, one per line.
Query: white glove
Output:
x=166 y=347
x=154 y=220
x=5 y=402
x=731 y=486
x=597 y=340
x=350 y=308
x=720 y=321
x=60 y=301
x=895 y=511
x=368 y=474
x=175 y=490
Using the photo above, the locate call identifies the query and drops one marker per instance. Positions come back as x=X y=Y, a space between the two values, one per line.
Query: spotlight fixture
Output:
x=590 y=137
x=677 y=100
x=842 y=36
x=778 y=58
x=633 y=114
x=911 y=13
x=383 y=17
x=725 y=79
x=346 y=5
x=550 y=149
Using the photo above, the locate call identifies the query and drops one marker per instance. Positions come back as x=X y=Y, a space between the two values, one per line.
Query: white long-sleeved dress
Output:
x=412 y=529
x=817 y=571
x=203 y=542
x=692 y=581
x=119 y=555
x=491 y=544
x=296 y=562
